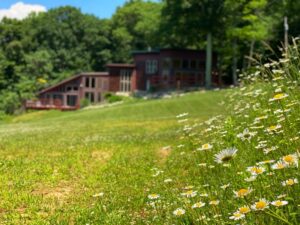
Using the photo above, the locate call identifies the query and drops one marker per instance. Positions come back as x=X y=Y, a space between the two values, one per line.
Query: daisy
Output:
x=98 y=195
x=214 y=202
x=279 y=165
x=265 y=162
x=278 y=97
x=244 y=209
x=273 y=128
x=289 y=182
x=279 y=203
x=242 y=192
x=260 y=205
x=246 y=135
x=179 y=212
x=256 y=170
x=225 y=186
x=225 y=155
x=291 y=159
x=189 y=194
x=237 y=216
x=205 y=147
x=169 y=180
x=153 y=196
x=198 y=205
x=250 y=179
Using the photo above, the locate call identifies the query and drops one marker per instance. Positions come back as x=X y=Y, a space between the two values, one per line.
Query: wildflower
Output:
x=225 y=155
x=246 y=135
x=256 y=170
x=242 y=192
x=189 y=194
x=182 y=115
x=169 y=180
x=98 y=195
x=203 y=195
x=188 y=187
x=278 y=97
x=153 y=196
x=268 y=150
x=279 y=203
x=202 y=164
x=250 y=179
x=265 y=162
x=205 y=147
x=260 y=205
x=225 y=186
x=279 y=165
x=179 y=212
x=273 y=128
x=244 y=209
x=281 y=196
x=290 y=182
x=237 y=216
x=198 y=205
x=291 y=159
x=214 y=202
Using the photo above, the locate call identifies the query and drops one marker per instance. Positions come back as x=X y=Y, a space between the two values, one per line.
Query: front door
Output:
x=71 y=100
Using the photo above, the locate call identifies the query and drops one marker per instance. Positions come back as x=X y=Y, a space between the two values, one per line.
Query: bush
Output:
x=111 y=98
x=84 y=103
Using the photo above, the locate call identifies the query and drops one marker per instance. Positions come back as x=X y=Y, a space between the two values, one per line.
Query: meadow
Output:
x=215 y=157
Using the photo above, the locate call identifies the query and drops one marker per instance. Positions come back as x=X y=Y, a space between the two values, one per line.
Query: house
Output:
x=156 y=70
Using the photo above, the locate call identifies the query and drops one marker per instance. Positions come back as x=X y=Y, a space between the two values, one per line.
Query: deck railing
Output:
x=48 y=104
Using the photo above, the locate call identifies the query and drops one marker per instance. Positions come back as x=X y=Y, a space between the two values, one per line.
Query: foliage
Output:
x=111 y=98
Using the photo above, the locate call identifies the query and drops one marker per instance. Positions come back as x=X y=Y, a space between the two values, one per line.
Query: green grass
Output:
x=52 y=163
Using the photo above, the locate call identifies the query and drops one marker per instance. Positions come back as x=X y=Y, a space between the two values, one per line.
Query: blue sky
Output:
x=100 y=8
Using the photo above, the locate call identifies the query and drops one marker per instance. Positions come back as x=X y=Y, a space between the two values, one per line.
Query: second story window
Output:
x=151 y=66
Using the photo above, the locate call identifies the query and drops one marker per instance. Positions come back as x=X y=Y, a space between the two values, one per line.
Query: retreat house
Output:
x=156 y=70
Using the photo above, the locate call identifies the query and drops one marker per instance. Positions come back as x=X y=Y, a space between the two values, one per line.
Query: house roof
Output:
x=123 y=65
x=73 y=78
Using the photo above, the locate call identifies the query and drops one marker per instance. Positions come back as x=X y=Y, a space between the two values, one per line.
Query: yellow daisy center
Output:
x=290 y=182
x=288 y=158
x=256 y=170
x=244 y=209
x=278 y=96
x=242 y=192
x=261 y=205
x=278 y=203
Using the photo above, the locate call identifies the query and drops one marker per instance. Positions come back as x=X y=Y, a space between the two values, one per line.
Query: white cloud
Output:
x=20 y=10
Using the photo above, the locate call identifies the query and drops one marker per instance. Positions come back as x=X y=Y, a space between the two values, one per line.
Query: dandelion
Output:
x=242 y=192
x=153 y=196
x=179 y=212
x=279 y=203
x=244 y=209
x=291 y=159
x=198 y=205
x=225 y=155
x=189 y=194
x=214 y=202
x=205 y=147
x=290 y=182
x=237 y=216
x=279 y=165
x=262 y=204
x=246 y=135
x=256 y=170
x=278 y=97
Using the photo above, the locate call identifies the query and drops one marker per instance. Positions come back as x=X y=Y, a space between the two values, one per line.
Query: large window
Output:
x=151 y=66
x=90 y=96
x=125 y=81
x=90 y=82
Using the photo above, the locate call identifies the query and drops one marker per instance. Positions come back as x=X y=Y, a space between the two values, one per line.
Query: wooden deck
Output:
x=40 y=105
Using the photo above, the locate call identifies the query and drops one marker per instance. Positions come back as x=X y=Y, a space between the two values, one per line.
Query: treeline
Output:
x=45 y=48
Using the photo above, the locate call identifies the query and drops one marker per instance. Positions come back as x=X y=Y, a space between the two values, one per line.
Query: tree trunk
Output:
x=234 y=63
x=208 y=60
x=251 y=53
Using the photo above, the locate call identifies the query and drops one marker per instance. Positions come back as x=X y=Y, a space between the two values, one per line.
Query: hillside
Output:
x=53 y=163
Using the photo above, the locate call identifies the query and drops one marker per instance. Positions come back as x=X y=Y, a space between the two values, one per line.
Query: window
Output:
x=185 y=64
x=193 y=64
x=176 y=63
x=93 y=82
x=125 y=80
x=87 y=82
x=151 y=66
x=90 y=96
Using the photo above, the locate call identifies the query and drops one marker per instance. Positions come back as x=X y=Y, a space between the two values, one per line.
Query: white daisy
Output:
x=225 y=155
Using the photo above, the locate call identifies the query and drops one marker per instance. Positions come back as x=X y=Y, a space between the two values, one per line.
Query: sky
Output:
x=19 y=9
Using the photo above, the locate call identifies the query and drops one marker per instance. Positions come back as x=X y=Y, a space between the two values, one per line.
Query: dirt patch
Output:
x=101 y=155
x=61 y=192
x=163 y=153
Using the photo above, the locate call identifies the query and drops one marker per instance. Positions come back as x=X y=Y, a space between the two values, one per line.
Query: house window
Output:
x=151 y=66
x=93 y=82
x=176 y=63
x=193 y=64
x=125 y=81
x=185 y=64
x=87 y=82
x=90 y=96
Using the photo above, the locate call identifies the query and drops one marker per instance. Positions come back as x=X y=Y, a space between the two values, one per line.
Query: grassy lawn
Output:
x=53 y=164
